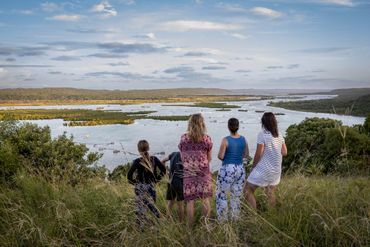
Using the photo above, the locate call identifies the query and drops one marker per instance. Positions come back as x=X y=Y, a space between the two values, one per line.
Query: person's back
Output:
x=270 y=162
x=176 y=168
x=234 y=150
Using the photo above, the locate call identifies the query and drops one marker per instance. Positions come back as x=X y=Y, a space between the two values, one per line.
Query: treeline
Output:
x=87 y=94
x=349 y=101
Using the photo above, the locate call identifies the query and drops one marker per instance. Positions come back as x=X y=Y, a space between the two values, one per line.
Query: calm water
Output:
x=164 y=136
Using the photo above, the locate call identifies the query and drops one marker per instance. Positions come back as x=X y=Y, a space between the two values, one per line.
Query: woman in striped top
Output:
x=266 y=169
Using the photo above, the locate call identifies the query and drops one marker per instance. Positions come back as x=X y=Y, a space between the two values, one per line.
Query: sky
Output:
x=142 y=44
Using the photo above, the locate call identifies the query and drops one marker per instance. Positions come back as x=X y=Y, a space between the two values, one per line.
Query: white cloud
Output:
x=187 y=25
x=2 y=72
x=231 y=7
x=239 y=36
x=266 y=12
x=348 y=3
x=26 y=12
x=105 y=9
x=66 y=17
x=49 y=7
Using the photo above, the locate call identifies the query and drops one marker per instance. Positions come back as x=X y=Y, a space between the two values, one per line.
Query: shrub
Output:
x=28 y=146
x=326 y=146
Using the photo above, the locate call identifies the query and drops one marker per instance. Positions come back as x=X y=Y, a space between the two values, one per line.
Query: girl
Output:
x=147 y=175
x=231 y=175
x=196 y=152
x=266 y=169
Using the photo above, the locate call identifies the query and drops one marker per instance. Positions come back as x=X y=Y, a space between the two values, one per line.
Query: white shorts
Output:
x=263 y=180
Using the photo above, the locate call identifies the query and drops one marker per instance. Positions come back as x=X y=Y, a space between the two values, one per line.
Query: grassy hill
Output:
x=311 y=211
x=353 y=101
x=88 y=94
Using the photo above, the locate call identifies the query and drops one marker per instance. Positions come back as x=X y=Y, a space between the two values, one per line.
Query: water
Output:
x=164 y=136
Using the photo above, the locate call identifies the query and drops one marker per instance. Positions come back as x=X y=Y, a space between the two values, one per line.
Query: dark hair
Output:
x=143 y=148
x=233 y=125
x=269 y=123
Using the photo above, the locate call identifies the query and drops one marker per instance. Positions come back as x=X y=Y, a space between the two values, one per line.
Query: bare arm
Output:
x=284 y=150
x=258 y=154
x=209 y=156
x=221 y=152
x=166 y=159
x=246 y=150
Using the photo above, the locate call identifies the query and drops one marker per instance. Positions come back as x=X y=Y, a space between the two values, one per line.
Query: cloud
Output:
x=239 y=36
x=90 y=30
x=65 y=58
x=213 y=67
x=145 y=36
x=55 y=72
x=293 y=66
x=105 y=9
x=177 y=70
x=10 y=59
x=108 y=55
x=187 y=25
x=24 y=51
x=196 y=54
x=68 y=18
x=266 y=12
x=325 y=50
x=117 y=47
x=231 y=7
x=25 y=11
x=348 y=3
x=119 y=64
x=243 y=71
x=24 y=66
x=274 y=67
x=49 y=7
x=70 y=45
x=124 y=75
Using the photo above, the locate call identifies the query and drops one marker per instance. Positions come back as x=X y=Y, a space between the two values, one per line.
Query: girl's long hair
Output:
x=143 y=148
x=196 y=127
x=269 y=123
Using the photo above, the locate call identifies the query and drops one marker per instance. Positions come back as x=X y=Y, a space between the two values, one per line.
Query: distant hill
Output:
x=87 y=94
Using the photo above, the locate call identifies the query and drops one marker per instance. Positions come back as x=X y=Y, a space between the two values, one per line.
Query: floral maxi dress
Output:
x=197 y=174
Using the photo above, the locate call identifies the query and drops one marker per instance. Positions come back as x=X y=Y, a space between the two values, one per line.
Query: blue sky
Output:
x=137 y=44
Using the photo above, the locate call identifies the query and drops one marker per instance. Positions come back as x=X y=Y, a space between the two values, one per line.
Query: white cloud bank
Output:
x=266 y=12
x=187 y=25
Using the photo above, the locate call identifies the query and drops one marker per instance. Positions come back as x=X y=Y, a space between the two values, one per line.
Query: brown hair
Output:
x=196 y=127
x=143 y=148
x=233 y=125
x=269 y=123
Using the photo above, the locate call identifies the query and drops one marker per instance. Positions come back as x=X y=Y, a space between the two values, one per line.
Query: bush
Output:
x=30 y=147
x=326 y=146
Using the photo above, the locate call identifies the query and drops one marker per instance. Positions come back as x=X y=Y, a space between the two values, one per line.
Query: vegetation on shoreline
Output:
x=352 y=102
x=83 y=117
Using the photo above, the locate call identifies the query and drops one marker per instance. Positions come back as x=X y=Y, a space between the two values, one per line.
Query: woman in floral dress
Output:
x=196 y=152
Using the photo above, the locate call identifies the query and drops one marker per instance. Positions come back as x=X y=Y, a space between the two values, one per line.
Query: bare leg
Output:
x=170 y=207
x=270 y=192
x=190 y=212
x=206 y=209
x=249 y=195
x=180 y=210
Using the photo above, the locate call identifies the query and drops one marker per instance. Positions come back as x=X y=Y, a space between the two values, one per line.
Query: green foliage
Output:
x=28 y=146
x=367 y=124
x=326 y=146
x=119 y=173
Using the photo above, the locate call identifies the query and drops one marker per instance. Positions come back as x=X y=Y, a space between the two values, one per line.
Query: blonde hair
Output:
x=143 y=148
x=196 y=127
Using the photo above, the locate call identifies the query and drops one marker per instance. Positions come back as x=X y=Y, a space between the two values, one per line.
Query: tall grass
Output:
x=311 y=211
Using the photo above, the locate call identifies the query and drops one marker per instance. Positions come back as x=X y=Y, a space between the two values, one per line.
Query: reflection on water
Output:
x=118 y=142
